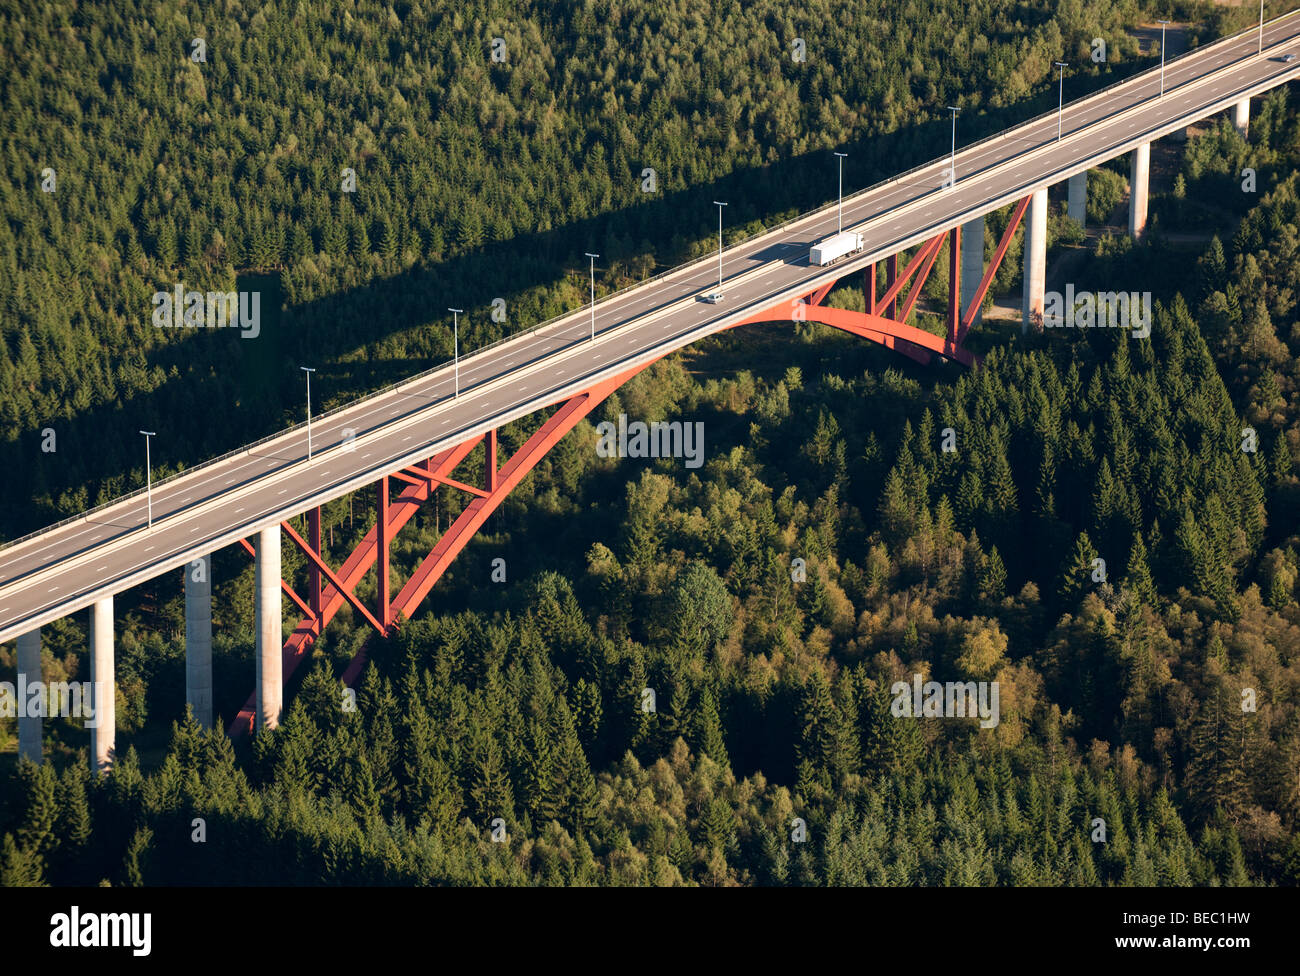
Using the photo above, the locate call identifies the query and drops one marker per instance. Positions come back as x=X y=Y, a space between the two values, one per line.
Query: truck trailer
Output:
x=835 y=247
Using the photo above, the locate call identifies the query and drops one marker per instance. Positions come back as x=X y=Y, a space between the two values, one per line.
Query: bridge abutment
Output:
x=1035 y=261
x=1139 y=177
x=269 y=651
x=103 y=687
x=198 y=639
x=1077 y=207
x=29 y=672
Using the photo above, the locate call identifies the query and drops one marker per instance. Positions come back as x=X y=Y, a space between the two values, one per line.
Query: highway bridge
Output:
x=411 y=437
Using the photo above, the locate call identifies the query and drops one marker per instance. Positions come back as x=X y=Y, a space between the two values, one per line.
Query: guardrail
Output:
x=619 y=293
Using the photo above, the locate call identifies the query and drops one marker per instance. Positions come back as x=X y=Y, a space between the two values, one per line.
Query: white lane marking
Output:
x=195 y=529
x=51 y=589
x=406 y=438
x=231 y=481
x=101 y=569
x=150 y=549
x=282 y=491
x=238 y=510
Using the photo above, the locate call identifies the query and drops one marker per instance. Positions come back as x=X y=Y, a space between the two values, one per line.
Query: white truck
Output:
x=835 y=247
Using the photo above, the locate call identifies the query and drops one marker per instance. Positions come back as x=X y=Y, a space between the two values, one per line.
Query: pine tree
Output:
x=1077 y=577
x=709 y=738
x=1280 y=462
x=19 y=868
x=1137 y=574
x=993 y=579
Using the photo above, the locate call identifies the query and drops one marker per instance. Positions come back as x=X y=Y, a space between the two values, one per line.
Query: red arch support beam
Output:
x=421 y=483
x=891 y=329
x=330 y=590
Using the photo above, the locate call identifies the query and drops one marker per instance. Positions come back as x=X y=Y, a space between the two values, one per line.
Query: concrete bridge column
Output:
x=103 y=688
x=29 y=673
x=198 y=639
x=1139 y=174
x=972 y=264
x=1241 y=116
x=1035 y=261
x=1077 y=208
x=270 y=659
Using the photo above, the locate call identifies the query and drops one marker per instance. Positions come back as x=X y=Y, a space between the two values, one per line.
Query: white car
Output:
x=714 y=297
x=1287 y=58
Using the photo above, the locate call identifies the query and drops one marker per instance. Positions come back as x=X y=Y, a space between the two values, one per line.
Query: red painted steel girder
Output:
x=931 y=251
x=969 y=318
x=320 y=566
x=503 y=481
x=893 y=334
x=401 y=511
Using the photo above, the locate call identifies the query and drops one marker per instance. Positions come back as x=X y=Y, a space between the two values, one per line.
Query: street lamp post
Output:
x=148 y=475
x=952 y=164
x=1060 y=101
x=840 y=220
x=1163 y=24
x=308 y=370
x=720 y=206
x=593 y=293
x=455 y=345
x=1261 y=26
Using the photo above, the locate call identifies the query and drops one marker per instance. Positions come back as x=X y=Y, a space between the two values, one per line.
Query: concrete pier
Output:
x=1139 y=177
x=1241 y=116
x=29 y=673
x=198 y=639
x=1077 y=208
x=972 y=263
x=270 y=661
x=1035 y=262
x=103 y=691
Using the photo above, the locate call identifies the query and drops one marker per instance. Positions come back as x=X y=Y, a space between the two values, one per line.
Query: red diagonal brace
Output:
x=969 y=318
x=477 y=511
x=514 y=470
x=821 y=293
x=302 y=604
x=355 y=567
x=888 y=299
x=933 y=247
x=382 y=539
x=418 y=476
x=408 y=478
x=320 y=566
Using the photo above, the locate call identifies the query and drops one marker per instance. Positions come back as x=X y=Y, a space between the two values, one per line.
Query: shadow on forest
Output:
x=209 y=410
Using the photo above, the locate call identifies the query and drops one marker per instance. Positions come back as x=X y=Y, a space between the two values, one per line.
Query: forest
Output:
x=772 y=756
